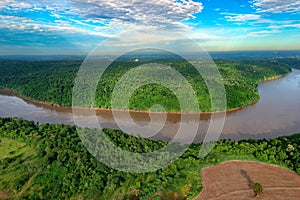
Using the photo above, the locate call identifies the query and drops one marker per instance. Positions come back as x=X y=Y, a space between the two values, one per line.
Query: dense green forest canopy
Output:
x=53 y=81
x=291 y=61
x=50 y=162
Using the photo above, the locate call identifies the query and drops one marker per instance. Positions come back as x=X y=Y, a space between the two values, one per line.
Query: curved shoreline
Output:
x=59 y=108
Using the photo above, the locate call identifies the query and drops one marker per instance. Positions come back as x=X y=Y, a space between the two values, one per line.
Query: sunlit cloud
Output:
x=276 y=6
x=161 y=14
x=242 y=17
x=262 y=33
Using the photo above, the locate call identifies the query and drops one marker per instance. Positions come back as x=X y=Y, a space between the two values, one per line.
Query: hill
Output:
x=52 y=82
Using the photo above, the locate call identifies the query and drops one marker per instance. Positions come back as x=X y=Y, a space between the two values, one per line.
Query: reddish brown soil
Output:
x=6 y=195
x=234 y=180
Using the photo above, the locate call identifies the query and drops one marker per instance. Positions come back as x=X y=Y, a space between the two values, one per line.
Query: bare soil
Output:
x=235 y=179
x=6 y=195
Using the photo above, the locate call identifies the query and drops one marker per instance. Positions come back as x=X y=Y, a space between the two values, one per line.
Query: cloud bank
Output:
x=151 y=13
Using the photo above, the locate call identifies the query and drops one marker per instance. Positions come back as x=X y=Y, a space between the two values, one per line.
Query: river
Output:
x=277 y=113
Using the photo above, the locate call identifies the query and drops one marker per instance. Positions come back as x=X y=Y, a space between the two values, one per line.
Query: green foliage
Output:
x=171 y=195
x=257 y=189
x=53 y=81
x=18 y=162
x=61 y=167
x=49 y=81
x=291 y=62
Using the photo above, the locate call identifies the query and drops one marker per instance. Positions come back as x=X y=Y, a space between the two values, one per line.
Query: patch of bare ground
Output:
x=6 y=195
x=235 y=179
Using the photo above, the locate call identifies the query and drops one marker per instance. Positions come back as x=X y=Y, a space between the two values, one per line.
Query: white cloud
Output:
x=276 y=6
x=15 y=4
x=159 y=13
x=14 y=18
x=242 y=17
x=261 y=33
x=282 y=24
x=4 y=3
x=31 y=26
x=292 y=26
x=285 y=26
x=152 y=13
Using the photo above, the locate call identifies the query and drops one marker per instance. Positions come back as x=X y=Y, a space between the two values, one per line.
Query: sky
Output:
x=77 y=26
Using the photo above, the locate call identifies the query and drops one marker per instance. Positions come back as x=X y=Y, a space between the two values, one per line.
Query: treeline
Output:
x=53 y=81
x=62 y=168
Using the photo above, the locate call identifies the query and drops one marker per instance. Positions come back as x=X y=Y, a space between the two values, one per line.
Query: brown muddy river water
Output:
x=277 y=113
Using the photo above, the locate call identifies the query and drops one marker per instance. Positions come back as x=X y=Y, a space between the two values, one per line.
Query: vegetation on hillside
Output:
x=291 y=61
x=53 y=81
x=50 y=162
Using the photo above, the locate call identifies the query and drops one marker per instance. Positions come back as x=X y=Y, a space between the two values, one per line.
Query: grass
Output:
x=60 y=166
x=18 y=162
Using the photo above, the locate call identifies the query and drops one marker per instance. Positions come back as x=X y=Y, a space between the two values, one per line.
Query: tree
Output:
x=257 y=189
x=134 y=195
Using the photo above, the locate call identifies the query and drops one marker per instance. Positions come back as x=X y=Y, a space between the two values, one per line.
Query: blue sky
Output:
x=77 y=26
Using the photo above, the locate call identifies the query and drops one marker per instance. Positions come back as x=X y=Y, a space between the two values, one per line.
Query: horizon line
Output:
x=233 y=51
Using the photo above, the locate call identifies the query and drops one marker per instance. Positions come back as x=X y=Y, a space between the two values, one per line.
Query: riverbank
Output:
x=59 y=108
x=54 y=142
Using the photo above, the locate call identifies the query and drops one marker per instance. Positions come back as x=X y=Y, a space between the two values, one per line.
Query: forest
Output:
x=52 y=81
x=43 y=161
x=291 y=61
